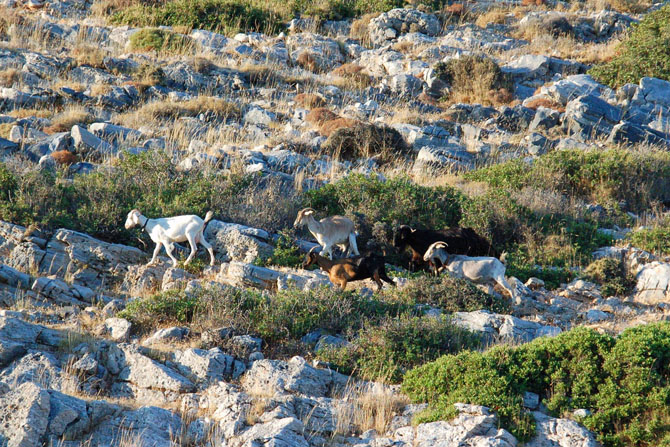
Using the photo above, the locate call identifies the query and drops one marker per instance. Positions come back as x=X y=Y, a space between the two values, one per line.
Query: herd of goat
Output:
x=460 y=251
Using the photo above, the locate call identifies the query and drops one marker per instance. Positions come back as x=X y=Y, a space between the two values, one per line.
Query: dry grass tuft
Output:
x=261 y=74
x=365 y=407
x=359 y=28
x=309 y=100
x=64 y=157
x=203 y=65
x=29 y=113
x=353 y=75
x=9 y=77
x=545 y=102
x=172 y=110
x=497 y=16
x=64 y=121
x=308 y=61
x=89 y=55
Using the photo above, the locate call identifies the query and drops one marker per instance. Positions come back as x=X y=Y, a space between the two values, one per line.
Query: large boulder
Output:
x=208 y=366
x=574 y=86
x=293 y=377
x=285 y=432
x=475 y=425
x=588 y=117
x=234 y=242
x=653 y=283
x=24 y=416
x=498 y=326
x=560 y=433
x=240 y=274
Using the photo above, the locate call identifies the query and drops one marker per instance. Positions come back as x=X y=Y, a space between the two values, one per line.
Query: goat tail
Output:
x=503 y=257
x=208 y=216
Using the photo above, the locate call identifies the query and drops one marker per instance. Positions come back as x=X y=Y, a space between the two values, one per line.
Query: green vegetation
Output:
x=226 y=16
x=232 y=16
x=396 y=200
x=286 y=252
x=448 y=293
x=645 y=52
x=98 y=203
x=605 y=177
x=655 y=239
x=623 y=381
x=611 y=275
x=387 y=351
x=159 y=40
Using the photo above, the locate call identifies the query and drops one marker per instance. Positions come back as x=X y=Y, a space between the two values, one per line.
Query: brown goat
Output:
x=341 y=271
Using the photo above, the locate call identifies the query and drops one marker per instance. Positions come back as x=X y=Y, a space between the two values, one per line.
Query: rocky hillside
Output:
x=541 y=125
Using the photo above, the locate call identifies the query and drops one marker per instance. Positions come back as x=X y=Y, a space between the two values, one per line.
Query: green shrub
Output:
x=606 y=177
x=611 y=275
x=383 y=143
x=552 y=276
x=226 y=16
x=448 y=293
x=496 y=216
x=8 y=183
x=387 y=351
x=656 y=239
x=159 y=40
x=165 y=307
x=286 y=316
x=396 y=200
x=624 y=382
x=286 y=252
x=98 y=203
x=645 y=52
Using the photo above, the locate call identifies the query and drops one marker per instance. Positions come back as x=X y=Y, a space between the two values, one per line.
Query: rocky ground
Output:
x=72 y=373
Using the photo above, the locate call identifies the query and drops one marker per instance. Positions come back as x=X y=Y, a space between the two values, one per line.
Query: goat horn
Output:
x=313 y=249
x=441 y=244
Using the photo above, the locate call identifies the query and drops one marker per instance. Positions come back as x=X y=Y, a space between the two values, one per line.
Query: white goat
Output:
x=168 y=230
x=329 y=231
x=480 y=269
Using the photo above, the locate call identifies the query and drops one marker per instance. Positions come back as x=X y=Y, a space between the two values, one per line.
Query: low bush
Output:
x=447 y=293
x=624 y=382
x=386 y=351
x=606 y=177
x=286 y=252
x=611 y=275
x=645 y=52
x=159 y=40
x=383 y=143
x=475 y=79
x=655 y=239
x=394 y=201
x=281 y=318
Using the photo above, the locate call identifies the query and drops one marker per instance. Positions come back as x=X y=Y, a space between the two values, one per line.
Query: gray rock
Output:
x=630 y=133
x=208 y=366
x=238 y=242
x=294 y=376
x=40 y=368
x=391 y=24
x=228 y=406
x=286 y=432
x=167 y=335
x=54 y=290
x=560 y=432
x=596 y=316
x=147 y=426
x=589 y=116
x=531 y=400
x=85 y=142
x=405 y=85
x=13 y=277
x=443 y=159
x=537 y=67
x=497 y=326
x=574 y=86
x=324 y=52
x=653 y=283
x=24 y=416
x=653 y=90
x=474 y=425
x=544 y=119
x=113 y=132
x=12 y=98
x=258 y=116
x=143 y=372
x=239 y=274
x=118 y=329
x=19 y=331
x=175 y=278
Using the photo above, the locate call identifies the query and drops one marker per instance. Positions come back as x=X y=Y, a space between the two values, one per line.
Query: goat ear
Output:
x=412 y=230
